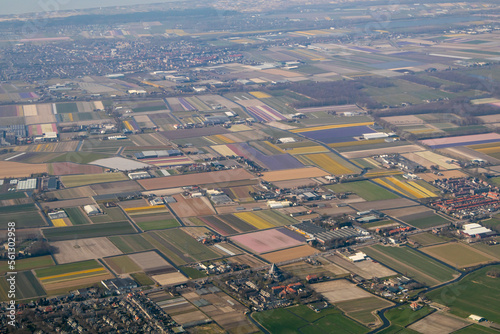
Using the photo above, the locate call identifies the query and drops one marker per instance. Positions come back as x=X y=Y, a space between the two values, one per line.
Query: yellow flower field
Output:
x=145 y=208
x=223 y=150
x=324 y=161
x=260 y=95
x=411 y=188
x=59 y=222
x=306 y=150
x=74 y=273
x=253 y=220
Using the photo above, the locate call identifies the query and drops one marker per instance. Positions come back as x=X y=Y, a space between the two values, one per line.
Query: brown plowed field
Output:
x=192 y=207
x=68 y=168
x=293 y=174
x=289 y=254
x=17 y=169
x=220 y=177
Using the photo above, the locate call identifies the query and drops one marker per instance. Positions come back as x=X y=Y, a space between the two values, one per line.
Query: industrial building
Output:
x=326 y=238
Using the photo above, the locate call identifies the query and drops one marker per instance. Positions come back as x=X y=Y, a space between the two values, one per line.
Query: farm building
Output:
x=139 y=175
x=91 y=210
x=156 y=201
x=216 y=119
x=157 y=154
x=278 y=204
x=475 y=230
x=221 y=199
x=28 y=184
x=286 y=140
x=359 y=256
x=476 y=318
x=57 y=215
x=376 y=135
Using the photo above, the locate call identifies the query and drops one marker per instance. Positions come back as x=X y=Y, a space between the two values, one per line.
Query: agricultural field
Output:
x=340 y=291
x=122 y=264
x=28 y=263
x=69 y=168
x=424 y=219
x=88 y=231
x=293 y=174
x=301 y=319
x=402 y=316
x=362 y=309
x=65 y=277
x=192 y=207
x=83 y=180
x=406 y=188
x=77 y=216
x=330 y=163
x=427 y=239
x=27 y=287
x=458 y=255
x=269 y=240
x=142 y=279
x=10 y=169
x=438 y=323
x=412 y=263
x=83 y=249
x=265 y=219
x=131 y=243
x=22 y=219
x=367 y=190
x=289 y=254
x=179 y=247
x=302 y=269
x=219 y=177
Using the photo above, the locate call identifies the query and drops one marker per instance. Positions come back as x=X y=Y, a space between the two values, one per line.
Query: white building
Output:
x=474 y=230
x=359 y=256
x=91 y=210
x=376 y=135
x=138 y=175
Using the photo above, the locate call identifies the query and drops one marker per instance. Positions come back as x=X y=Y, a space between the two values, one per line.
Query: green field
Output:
x=77 y=216
x=188 y=245
x=27 y=264
x=27 y=287
x=301 y=319
x=193 y=273
x=67 y=268
x=274 y=217
x=82 y=180
x=411 y=263
x=110 y=215
x=361 y=309
x=131 y=243
x=22 y=219
x=64 y=108
x=122 y=264
x=364 y=189
x=142 y=279
x=12 y=195
x=426 y=239
x=493 y=250
x=158 y=224
x=475 y=294
x=88 y=231
x=429 y=221
x=402 y=316
x=18 y=208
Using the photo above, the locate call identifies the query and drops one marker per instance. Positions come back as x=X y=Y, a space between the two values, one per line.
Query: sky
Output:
x=8 y=7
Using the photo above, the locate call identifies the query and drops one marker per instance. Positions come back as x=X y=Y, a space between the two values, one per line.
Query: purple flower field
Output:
x=272 y=162
x=338 y=135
